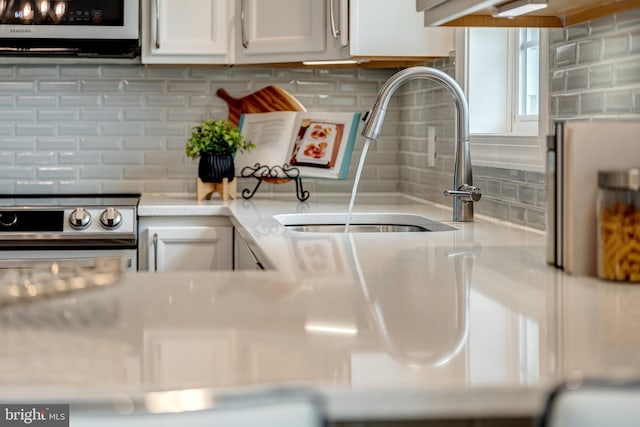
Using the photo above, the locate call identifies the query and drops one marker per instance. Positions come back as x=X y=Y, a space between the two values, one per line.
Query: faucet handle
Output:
x=466 y=193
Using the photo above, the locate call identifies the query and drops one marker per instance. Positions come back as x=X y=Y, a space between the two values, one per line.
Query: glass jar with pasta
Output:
x=619 y=225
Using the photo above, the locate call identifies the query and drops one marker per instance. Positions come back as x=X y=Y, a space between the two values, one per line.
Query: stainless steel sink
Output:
x=360 y=223
x=356 y=228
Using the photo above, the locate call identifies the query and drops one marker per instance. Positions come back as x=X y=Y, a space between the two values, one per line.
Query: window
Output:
x=528 y=66
x=500 y=69
x=529 y=63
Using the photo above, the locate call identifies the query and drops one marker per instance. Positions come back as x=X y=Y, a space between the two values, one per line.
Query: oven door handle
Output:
x=155 y=252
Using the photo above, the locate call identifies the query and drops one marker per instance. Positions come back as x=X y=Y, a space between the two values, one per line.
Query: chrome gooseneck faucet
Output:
x=464 y=193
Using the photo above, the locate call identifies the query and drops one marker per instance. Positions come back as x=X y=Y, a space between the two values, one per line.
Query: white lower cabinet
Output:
x=185 y=244
x=188 y=358
x=243 y=257
x=271 y=357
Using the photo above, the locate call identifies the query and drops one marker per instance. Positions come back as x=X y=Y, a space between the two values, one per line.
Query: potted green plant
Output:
x=216 y=142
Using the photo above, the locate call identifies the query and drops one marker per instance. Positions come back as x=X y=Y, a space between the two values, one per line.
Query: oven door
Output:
x=26 y=258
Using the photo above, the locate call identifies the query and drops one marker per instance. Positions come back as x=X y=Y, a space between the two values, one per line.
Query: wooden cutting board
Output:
x=270 y=98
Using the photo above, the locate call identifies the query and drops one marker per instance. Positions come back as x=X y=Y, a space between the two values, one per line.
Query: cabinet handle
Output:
x=155 y=252
x=245 y=41
x=335 y=32
x=157 y=24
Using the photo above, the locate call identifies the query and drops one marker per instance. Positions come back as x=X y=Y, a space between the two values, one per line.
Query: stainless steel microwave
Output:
x=70 y=27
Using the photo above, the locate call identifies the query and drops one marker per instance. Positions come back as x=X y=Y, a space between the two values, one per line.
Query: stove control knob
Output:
x=79 y=219
x=8 y=219
x=111 y=218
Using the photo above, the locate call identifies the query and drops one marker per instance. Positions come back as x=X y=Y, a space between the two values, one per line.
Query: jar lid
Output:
x=627 y=179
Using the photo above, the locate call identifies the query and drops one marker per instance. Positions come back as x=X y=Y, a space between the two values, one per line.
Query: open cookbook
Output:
x=318 y=144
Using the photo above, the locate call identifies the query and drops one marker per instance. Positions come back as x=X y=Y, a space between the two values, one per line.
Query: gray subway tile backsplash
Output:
x=509 y=191
x=35 y=187
x=577 y=78
x=16 y=87
x=17 y=115
x=535 y=218
x=57 y=173
x=627 y=71
x=89 y=173
x=79 y=101
x=592 y=103
x=37 y=100
x=635 y=42
x=57 y=144
x=79 y=129
x=58 y=86
x=28 y=129
x=618 y=101
x=602 y=25
x=600 y=76
x=10 y=173
x=76 y=127
x=589 y=51
x=77 y=158
x=616 y=45
x=56 y=115
x=568 y=105
x=578 y=31
x=517 y=214
x=527 y=195
x=566 y=55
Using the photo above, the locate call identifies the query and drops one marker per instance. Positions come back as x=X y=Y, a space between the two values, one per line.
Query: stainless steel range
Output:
x=68 y=227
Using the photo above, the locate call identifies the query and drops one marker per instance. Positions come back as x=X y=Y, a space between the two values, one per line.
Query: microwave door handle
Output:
x=157 y=35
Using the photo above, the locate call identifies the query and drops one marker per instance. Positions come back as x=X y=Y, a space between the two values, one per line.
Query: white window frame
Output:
x=521 y=123
x=515 y=149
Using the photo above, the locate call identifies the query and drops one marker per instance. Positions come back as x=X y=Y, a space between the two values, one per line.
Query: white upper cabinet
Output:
x=287 y=30
x=273 y=31
x=186 y=31
x=281 y=26
x=382 y=28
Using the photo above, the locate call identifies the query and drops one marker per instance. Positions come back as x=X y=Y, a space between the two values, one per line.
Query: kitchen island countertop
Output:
x=468 y=323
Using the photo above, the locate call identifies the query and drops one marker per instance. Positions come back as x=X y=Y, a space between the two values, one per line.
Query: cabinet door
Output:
x=189 y=248
x=267 y=358
x=382 y=28
x=185 y=31
x=188 y=358
x=271 y=27
x=244 y=258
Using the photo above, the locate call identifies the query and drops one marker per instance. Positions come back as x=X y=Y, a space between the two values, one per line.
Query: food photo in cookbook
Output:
x=317 y=144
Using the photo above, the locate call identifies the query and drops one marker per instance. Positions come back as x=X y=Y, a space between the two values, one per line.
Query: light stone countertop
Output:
x=469 y=323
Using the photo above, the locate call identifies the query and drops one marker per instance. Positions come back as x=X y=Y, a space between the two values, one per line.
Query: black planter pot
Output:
x=215 y=167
